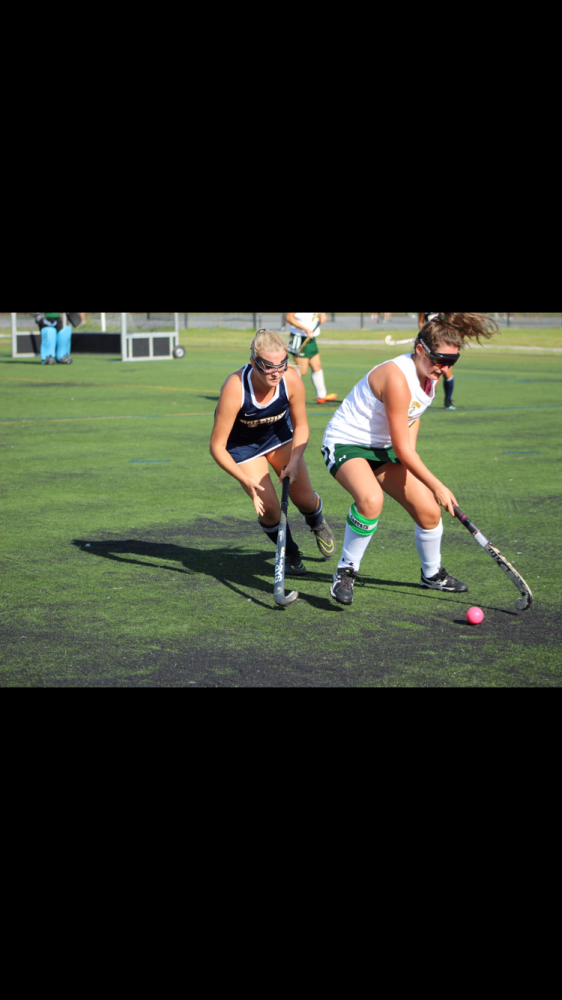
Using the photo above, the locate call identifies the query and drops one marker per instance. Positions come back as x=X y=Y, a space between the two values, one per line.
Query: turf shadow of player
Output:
x=234 y=568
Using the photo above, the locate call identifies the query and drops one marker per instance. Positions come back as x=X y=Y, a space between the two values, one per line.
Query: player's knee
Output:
x=306 y=500
x=271 y=511
x=429 y=519
x=369 y=507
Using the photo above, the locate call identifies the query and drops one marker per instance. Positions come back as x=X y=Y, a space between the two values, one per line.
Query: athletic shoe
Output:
x=449 y=406
x=294 y=565
x=49 y=361
x=328 y=398
x=67 y=360
x=443 y=581
x=342 y=586
x=325 y=540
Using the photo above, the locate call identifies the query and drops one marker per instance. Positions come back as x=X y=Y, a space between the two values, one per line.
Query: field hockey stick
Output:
x=394 y=343
x=310 y=336
x=522 y=602
x=279 y=589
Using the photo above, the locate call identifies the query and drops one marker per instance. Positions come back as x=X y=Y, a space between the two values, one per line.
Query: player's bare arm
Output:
x=227 y=411
x=390 y=386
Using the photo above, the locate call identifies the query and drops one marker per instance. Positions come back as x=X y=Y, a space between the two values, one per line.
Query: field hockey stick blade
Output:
x=279 y=595
x=394 y=343
x=523 y=602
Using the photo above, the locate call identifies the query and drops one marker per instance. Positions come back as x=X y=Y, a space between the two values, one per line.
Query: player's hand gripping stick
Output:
x=279 y=589
x=522 y=602
x=310 y=336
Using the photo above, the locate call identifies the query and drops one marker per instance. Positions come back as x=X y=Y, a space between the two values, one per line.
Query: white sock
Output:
x=358 y=533
x=319 y=384
x=428 y=544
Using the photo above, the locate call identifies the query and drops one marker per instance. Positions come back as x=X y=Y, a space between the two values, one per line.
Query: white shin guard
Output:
x=428 y=544
x=319 y=384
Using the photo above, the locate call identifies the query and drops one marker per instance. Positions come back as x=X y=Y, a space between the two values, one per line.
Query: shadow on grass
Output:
x=234 y=568
x=428 y=594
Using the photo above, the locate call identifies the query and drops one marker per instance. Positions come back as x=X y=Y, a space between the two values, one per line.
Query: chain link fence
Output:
x=354 y=321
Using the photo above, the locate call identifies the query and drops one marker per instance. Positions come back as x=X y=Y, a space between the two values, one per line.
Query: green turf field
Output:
x=176 y=586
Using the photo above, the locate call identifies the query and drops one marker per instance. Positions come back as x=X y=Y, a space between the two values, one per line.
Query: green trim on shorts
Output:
x=310 y=351
x=339 y=454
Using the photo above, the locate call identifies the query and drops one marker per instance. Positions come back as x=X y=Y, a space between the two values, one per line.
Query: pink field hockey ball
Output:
x=474 y=616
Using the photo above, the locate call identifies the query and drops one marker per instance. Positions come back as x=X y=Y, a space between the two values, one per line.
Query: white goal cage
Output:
x=143 y=336
x=146 y=336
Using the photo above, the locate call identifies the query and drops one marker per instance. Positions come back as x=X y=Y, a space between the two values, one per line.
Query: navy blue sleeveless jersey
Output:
x=259 y=429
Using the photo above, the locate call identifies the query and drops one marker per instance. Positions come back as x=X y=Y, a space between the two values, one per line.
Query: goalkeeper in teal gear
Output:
x=56 y=336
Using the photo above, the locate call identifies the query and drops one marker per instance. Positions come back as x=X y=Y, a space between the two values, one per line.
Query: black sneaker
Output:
x=67 y=360
x=342 y=587
x=449 y=406
x=294 y=565
x=443 y=581
x=325 y=540
x=49 y=361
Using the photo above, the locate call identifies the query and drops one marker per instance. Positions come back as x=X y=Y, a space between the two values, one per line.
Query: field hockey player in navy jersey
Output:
x=261 y=421
x=370 y=449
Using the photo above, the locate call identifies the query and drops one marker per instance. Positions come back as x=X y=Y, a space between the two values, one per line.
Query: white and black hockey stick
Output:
x=279 y=589
x=394 y=343
x=522 y=602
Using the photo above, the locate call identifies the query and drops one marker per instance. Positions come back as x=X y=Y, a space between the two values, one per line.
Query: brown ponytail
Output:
x=456 y=328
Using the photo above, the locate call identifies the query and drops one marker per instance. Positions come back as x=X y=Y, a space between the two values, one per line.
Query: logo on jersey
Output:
x=413 y=407
x=264 y=420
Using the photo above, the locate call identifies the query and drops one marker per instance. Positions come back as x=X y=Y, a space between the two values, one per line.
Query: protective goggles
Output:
x=440 y=360
x=267 y=368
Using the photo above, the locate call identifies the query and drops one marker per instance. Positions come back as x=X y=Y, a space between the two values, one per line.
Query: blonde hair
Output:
x=267 y=340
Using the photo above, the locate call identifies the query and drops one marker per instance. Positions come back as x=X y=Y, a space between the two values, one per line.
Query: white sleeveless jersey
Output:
x=307 y=319
x=361 y=419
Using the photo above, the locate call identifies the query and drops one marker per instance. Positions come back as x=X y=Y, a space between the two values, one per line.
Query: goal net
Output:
x=136 y=336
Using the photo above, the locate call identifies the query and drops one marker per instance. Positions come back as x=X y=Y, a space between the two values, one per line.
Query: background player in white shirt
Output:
x=305 y=328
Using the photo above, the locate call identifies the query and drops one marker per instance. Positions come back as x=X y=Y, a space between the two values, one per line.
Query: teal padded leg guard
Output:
x=63 y=342
x=48 y=342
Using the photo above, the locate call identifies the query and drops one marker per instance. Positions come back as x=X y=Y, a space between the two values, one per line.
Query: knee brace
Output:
x=361 y=525
x=48 y=342
x=64 y=337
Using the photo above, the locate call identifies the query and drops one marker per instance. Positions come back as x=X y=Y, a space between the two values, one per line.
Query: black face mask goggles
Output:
x=440 y=360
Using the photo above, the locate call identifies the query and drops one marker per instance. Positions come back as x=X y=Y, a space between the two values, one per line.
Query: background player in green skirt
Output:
x=305 y=328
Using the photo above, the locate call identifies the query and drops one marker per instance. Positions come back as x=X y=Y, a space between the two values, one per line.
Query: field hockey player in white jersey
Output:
x=261 y=421
x=370 y=449
x=305 y=328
